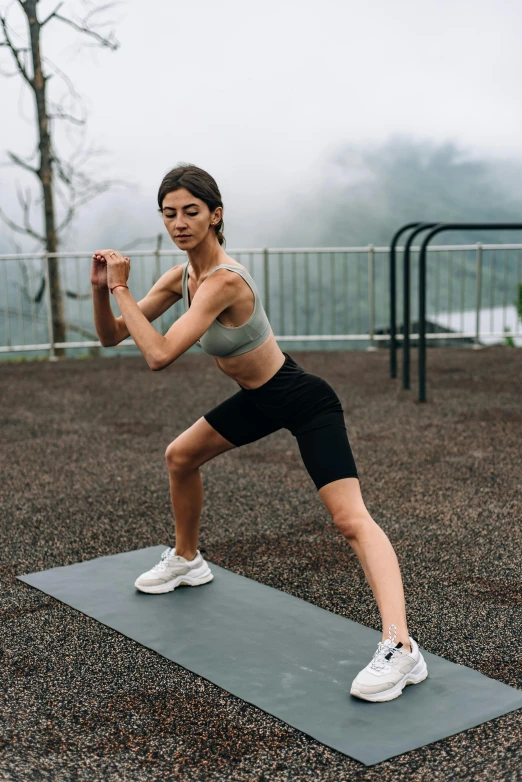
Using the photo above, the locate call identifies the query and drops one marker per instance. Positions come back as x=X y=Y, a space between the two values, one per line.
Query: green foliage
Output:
x=508 y=341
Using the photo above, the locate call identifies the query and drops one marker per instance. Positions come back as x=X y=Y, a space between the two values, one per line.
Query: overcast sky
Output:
x=261 y=94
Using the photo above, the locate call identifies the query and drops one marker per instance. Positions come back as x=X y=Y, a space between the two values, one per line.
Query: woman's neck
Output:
x=206 y=256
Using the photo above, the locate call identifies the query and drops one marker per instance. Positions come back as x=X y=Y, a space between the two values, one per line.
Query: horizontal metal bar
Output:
x=383 y=337
x=282 y=338
x=47 y=346
x=20 y=348
x=288 y=250
x=321 y=337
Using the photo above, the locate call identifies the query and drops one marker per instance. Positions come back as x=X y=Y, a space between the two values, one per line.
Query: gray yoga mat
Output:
x=288 y=657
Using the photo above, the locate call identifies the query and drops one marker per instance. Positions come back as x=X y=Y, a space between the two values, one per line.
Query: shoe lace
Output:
x=165 y=557
x=385 y=649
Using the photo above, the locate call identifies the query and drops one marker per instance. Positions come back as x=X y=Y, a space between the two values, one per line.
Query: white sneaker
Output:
x=172 y=571
x=390 y=670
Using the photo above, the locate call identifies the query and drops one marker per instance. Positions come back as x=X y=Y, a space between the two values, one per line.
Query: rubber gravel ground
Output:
x=83 y=474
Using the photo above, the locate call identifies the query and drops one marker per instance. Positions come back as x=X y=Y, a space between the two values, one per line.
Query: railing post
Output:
x=266 y=282
x=477 y=344
x=157 y=270
x=371 y=293
x=159 y=241
x=50 y=328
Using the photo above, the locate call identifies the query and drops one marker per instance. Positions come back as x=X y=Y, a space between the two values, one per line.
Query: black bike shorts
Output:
x=296 y=400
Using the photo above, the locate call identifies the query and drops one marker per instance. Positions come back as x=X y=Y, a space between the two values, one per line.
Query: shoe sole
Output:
x=169 y=586
x=415 y=676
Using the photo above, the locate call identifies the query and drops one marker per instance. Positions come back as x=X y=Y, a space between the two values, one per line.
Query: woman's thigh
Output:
x=232 y=423
x=196 y=445
x=240 y=421
x=325 y=450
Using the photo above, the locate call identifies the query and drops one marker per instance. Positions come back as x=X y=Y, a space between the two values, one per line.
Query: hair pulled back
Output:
x=199 y=183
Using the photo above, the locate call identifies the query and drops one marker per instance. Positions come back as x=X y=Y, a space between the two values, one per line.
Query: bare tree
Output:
x=64 y=182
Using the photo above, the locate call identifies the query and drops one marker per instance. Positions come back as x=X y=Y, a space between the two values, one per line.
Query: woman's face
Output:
x=188 y=219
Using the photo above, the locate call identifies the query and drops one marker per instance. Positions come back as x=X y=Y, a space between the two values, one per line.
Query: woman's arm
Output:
x=163 y=294
x=213 y=296
x=216 y=294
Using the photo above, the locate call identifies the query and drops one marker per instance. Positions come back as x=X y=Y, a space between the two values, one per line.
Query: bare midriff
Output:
x=256 y=367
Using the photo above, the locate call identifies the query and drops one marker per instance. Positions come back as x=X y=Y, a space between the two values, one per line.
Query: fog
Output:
x=322 y=123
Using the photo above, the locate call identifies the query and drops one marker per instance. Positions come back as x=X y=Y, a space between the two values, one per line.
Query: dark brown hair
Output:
x=199 y=184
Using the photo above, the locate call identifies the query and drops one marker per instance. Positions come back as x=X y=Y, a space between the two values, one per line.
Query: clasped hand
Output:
x=118 y=266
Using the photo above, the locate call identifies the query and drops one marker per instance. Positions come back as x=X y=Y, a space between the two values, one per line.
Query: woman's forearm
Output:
x=148 y=340
x=104 y=320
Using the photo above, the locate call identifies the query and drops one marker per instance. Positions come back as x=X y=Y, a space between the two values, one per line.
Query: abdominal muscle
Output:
x=256 y=367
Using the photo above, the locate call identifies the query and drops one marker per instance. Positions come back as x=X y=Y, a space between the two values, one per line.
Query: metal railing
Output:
x=323 y=297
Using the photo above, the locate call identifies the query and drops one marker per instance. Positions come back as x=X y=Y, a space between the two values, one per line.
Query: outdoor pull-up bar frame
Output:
x=407 y=300
x=393 y=295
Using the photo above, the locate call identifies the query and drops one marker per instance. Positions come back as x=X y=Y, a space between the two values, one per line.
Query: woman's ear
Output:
x=217 y=215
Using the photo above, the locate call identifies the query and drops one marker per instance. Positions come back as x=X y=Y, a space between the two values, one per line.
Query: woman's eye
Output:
x=190 y=214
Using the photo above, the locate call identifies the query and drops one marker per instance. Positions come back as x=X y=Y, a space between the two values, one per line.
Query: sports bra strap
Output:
x=226 y=266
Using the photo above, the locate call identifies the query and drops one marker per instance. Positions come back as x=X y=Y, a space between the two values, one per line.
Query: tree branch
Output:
x=82 y=199
x=68 y=117
x=8 y=75
x=110 y=44
x=81 y=329
x=62 y=75
x=67 y=219
x=26 y=206
x=99 y=10
x=64 y=176
x=78 y=296
x=36 y=299
x=42 y=24
x=14 y=227
x=15 y=52
x=82 y=188
x=19 y=162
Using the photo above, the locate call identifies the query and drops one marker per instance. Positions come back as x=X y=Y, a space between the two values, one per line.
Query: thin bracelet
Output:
x=119 y=285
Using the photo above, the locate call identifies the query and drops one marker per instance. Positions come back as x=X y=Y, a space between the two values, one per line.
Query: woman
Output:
x=225 y=316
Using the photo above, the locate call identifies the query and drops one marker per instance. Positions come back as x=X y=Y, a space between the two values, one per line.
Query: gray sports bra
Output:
x=221 y=341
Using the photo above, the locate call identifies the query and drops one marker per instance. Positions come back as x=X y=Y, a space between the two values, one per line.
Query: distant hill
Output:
x=365 y=194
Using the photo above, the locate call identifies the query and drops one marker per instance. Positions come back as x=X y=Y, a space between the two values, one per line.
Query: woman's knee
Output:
x=353 y=525
x=178 y=458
